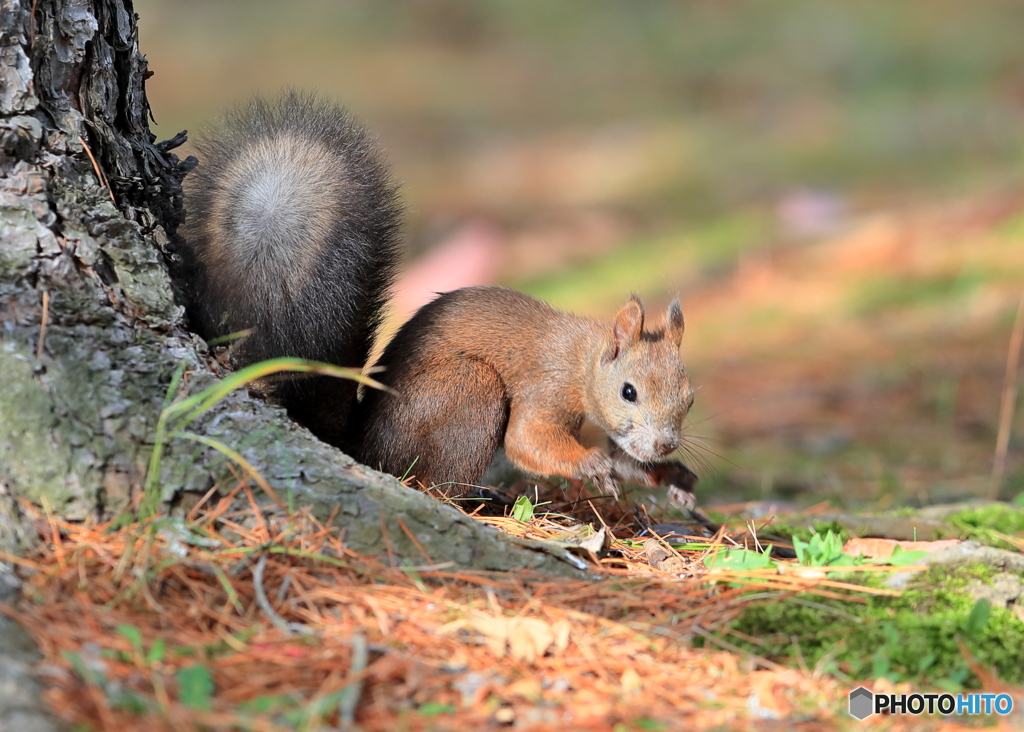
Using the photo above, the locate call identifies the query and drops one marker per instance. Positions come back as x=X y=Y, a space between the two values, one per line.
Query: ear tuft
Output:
x=674 y=323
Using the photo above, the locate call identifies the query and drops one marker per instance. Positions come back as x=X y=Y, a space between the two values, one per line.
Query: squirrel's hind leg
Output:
x=442 y=427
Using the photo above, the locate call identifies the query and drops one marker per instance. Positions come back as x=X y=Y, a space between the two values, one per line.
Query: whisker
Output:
x=716 y=414
x=701 y=439
x=703 y=467
x=705 y=448
x=698 y=459
x=698 y=440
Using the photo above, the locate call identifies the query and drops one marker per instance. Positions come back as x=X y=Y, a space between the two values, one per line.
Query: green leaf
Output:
x=822 y=550
x=738 y=559
x=978 y=618
x=903 y=558
x=926 y=663
x=880 y=665
x=431 y=709
x=268 y=704
x=523 y=509
x=129 y=701
x=802 y=549
x=195 y=687
x=156 y=652
x=134 y=636
x=959 y=675
x=845 y=560
x=84 y=672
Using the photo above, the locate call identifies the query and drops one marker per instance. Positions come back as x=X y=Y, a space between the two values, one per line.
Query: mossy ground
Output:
x=986 y=523
x=927 y=635
x=998 y=525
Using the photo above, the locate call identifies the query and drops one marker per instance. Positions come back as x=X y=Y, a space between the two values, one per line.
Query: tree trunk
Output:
x=92 y=333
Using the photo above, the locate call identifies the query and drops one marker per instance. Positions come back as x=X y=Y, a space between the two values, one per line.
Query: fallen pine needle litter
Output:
x=261 y=620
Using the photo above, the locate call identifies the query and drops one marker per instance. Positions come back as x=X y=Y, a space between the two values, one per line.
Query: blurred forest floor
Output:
x=867 y=368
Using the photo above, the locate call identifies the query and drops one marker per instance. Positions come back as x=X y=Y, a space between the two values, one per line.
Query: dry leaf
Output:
x=589 y=541
x=631 y=681
x=882 y=548
x=529 y=638
x=662 y=559
x=525 y=639
x=528 y=688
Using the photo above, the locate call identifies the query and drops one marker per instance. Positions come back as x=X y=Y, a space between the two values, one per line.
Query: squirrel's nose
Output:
x=664 y=448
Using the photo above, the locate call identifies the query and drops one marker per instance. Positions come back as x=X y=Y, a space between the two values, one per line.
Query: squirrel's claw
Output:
x=683 y=500
x=599 y=469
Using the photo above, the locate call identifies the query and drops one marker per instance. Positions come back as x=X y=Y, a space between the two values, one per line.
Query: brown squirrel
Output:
x=291 y=229
x=484 y=364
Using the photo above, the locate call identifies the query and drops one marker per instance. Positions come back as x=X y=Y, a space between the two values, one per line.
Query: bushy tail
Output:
x=291 y=231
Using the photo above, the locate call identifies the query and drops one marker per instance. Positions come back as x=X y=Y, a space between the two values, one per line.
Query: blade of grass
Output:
x=236 y=458
x=1009 y=399
x=195 y=406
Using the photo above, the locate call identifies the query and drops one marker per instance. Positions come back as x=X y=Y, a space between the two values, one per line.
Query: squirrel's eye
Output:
x=629 y=392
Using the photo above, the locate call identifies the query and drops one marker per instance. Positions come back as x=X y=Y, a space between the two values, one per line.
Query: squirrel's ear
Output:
x=626 y=328
x=674 y=323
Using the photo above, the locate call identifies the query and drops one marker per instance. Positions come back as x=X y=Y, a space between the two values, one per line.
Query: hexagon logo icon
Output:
x=861 y=703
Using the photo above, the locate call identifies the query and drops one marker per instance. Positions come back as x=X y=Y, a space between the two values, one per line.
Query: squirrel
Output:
x=291 y=230
x=480 y=366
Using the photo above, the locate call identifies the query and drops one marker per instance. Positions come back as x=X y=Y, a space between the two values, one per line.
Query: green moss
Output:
x=1002 y=517
x=984 y=523
x=804 y=533
x=953 y=578
x=916 y=636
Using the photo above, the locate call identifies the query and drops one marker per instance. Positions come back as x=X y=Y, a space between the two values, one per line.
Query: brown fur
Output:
x=484 y=365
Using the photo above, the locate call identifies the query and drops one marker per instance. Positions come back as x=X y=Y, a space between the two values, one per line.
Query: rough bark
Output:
x=91 y=330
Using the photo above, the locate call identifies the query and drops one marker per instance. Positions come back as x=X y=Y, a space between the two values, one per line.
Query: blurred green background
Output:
x=833 y=187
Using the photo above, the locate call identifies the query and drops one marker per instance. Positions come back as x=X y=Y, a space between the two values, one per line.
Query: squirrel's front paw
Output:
x=672 y=473
x=679 y=479
x=598 y=468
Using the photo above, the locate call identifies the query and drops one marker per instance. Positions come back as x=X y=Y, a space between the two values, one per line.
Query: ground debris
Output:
x=148 y=636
